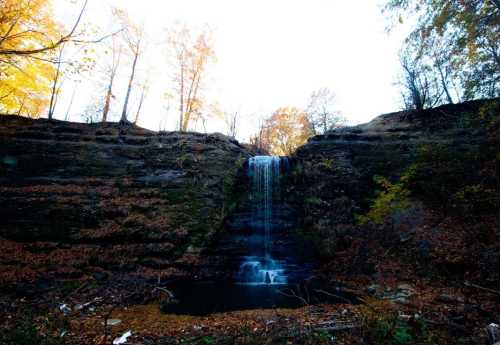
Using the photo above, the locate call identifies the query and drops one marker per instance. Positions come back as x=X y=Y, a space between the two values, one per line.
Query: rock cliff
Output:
x=78 y=200
x=333 y=175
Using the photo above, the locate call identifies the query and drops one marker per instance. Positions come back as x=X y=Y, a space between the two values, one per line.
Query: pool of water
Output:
x=208 y=297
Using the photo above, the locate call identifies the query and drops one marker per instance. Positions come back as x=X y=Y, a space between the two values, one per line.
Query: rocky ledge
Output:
x=81 y=200
x=333 y=174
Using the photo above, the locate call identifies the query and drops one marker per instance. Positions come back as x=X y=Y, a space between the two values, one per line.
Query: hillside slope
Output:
x=405 y=208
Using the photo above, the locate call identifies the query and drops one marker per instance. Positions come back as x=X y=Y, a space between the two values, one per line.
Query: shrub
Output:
x=26 y=332
x=387 y=329
x=327 y=163
x=452 y=177
x=475 y=199
x=489 y=111
x=391 y=198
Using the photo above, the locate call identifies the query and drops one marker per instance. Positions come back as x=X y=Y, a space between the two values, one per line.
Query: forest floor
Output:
x=401 y=294
x=419 y=313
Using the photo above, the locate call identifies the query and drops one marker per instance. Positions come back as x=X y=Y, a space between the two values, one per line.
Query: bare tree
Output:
x=231 y=120
x=321 y=112
x=80 y=60
x=178 y=44
x=257 y=139
x=72 y=99
x=55 y=82
x=144 y=92
x=116 y=53
x=133 y=36
x=420 y=87
x=65 y=67
x=443 y=66
x=191 y=56
x=93 y=111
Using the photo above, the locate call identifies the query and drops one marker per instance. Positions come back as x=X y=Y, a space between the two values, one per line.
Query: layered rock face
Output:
x=333 y=173
x=80 y=199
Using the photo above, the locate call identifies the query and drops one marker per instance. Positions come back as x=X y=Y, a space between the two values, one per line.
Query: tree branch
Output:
x=51 y=46
x=471 y=285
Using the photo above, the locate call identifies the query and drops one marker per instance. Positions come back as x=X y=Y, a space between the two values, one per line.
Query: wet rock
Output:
x=493 y=332
x=372 y=289
x=113 y=322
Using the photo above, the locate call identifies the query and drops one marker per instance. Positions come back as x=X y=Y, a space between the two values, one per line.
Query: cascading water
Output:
x=261 y=270
x=264 y=173
x=261 y=255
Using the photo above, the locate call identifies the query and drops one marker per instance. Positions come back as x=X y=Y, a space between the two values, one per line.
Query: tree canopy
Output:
x=285 y=130
x=25 y=79
x=456 y=42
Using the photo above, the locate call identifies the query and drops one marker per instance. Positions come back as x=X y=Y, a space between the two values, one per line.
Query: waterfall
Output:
x=264 y=174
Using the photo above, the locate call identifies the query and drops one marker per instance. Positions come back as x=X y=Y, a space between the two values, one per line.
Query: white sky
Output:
x=270 y=53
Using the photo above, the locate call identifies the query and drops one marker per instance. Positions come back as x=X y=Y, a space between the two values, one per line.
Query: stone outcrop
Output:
x=79 y=199
x=332 y=178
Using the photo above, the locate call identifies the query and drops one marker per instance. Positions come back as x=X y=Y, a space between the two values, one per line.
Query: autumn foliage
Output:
x=25 y=80
x=283 y=132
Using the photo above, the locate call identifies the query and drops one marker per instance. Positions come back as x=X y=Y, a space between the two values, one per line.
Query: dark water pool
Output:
x=208 y=297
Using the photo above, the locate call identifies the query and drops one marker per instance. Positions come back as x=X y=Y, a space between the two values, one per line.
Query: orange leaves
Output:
x=286 y=130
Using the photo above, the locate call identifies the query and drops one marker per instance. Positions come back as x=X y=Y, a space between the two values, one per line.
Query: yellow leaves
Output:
x=392 y=197
x=25 y=88
x=26 y=23
x=287 y=129
x=25 y=81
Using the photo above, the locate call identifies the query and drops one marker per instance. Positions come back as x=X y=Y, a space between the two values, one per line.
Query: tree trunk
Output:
x=70 y=103
x=181 y=109
x=443 y=82
x=21 y=108
x=109 y=94
x=107 y=104
x=129 y=88
x=52 y=104
x=191 y=101
x=143 y=95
